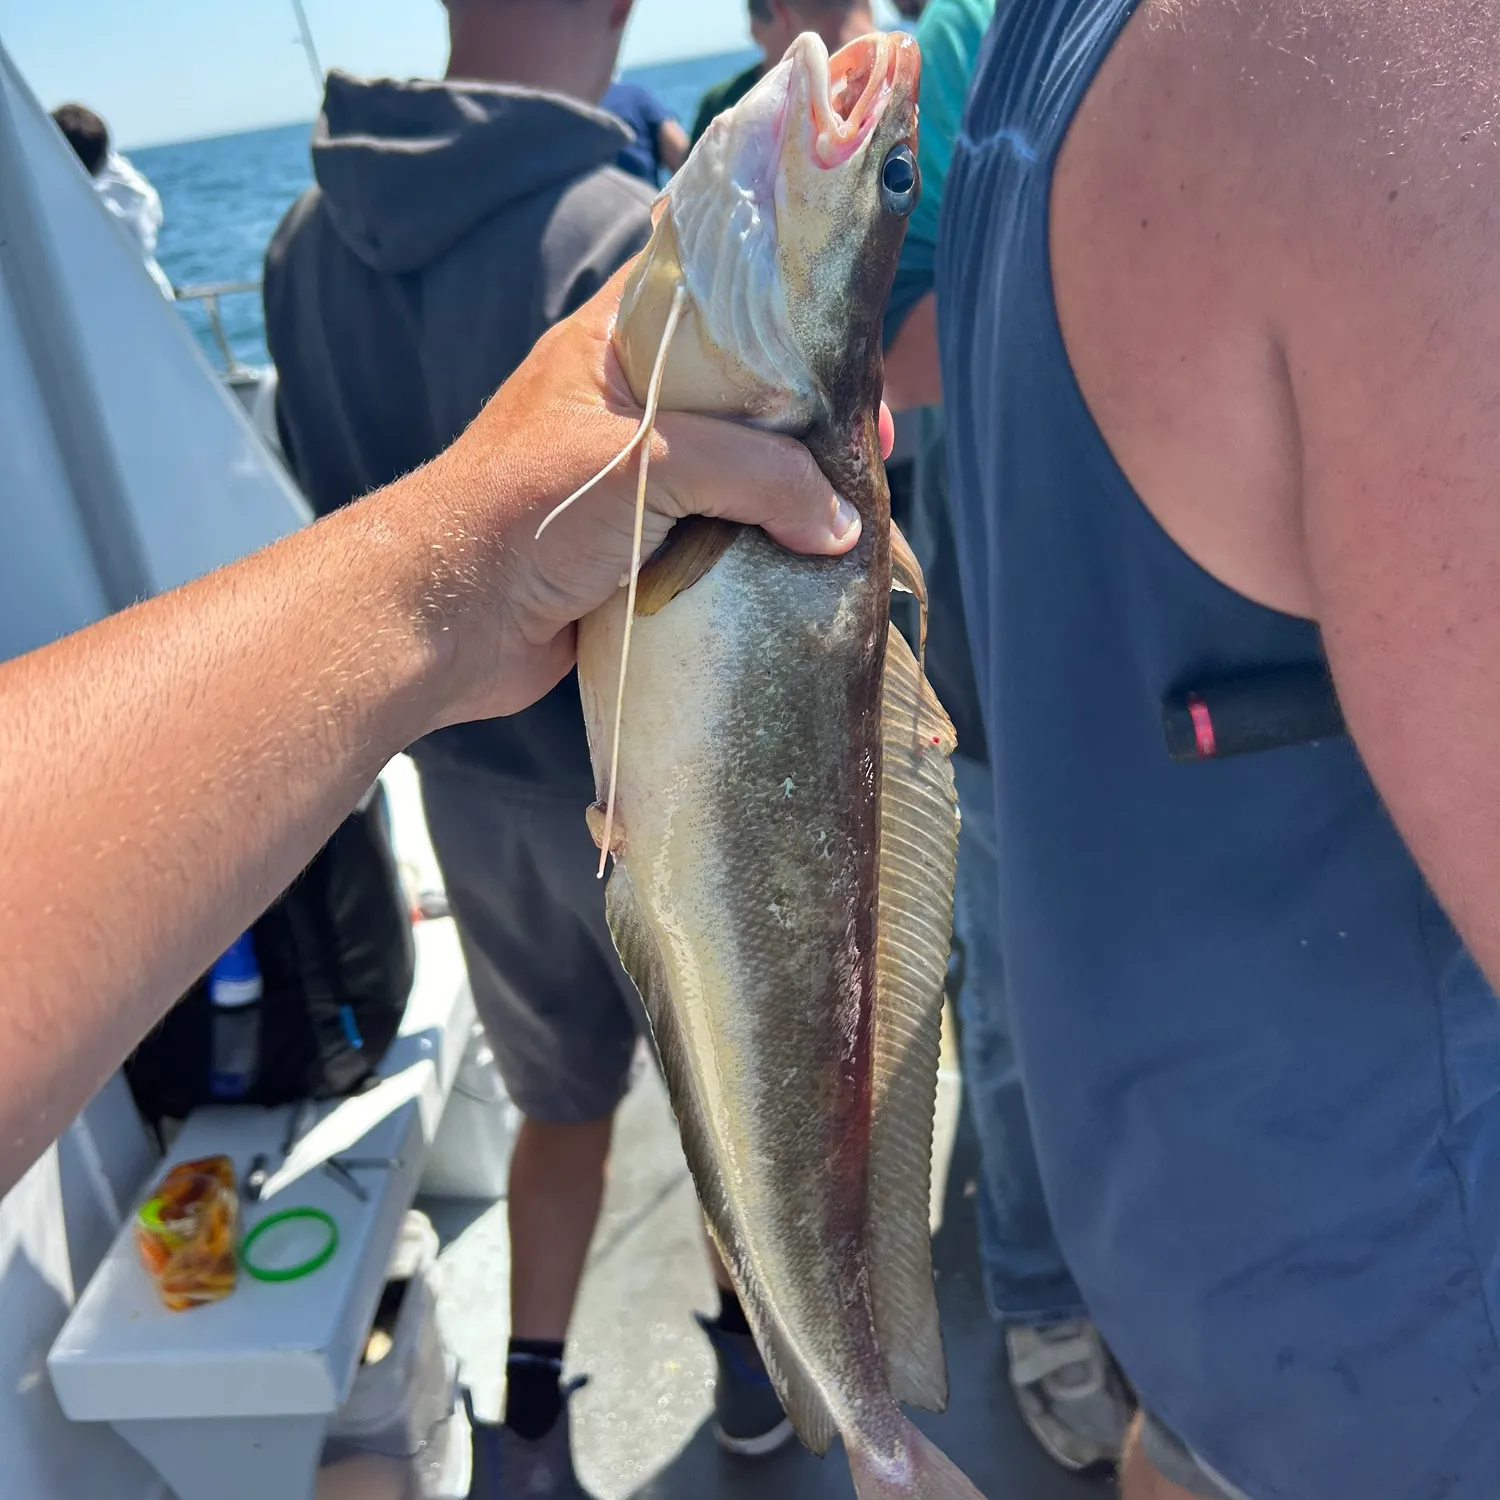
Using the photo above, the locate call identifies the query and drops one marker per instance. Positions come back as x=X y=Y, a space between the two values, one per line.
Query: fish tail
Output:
x=917 y=1470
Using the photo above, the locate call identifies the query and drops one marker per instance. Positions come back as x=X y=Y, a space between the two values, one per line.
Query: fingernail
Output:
x=845 y=520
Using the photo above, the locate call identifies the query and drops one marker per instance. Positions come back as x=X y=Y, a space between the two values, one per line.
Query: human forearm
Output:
x=235 y=722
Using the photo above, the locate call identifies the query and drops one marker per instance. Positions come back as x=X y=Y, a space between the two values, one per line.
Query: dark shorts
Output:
x=561 y=1014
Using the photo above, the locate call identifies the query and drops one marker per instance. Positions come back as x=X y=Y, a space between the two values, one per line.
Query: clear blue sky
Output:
x=171 y=70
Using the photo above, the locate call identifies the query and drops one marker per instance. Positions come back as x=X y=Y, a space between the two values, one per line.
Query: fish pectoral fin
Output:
x=641 y=953
x=693 y=547
x=918 y=863
x=595 y=815
x=906 y=571
x=906 y=576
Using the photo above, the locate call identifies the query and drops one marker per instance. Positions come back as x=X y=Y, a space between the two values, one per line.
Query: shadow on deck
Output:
x=640 y=1427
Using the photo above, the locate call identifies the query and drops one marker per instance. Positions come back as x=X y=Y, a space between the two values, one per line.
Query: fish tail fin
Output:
x=918 y=1470
x=648 y=425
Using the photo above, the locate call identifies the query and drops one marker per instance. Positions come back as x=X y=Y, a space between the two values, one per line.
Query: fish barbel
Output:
x=773 y=769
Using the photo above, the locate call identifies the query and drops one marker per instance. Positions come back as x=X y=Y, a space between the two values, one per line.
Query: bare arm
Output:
x=1389 y=315
x=913 y=372
x=672 y=145
x=164 y=774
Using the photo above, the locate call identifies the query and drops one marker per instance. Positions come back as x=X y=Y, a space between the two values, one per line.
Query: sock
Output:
x=533 y=1386
x=731 y=1314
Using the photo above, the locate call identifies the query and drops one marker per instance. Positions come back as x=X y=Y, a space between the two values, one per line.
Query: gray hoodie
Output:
x=451 y=225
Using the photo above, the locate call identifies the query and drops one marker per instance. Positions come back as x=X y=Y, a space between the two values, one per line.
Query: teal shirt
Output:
x=949 y=34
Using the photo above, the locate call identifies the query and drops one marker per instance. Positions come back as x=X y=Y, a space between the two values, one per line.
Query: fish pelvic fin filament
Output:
x=641 y=440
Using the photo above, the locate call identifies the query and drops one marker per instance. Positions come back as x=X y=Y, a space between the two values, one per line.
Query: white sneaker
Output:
x=1070 y=1392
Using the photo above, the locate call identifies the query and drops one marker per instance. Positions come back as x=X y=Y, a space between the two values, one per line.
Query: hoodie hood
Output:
x=408 y=168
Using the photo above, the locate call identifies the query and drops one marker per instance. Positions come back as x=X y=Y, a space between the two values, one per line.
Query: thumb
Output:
x=721 y=468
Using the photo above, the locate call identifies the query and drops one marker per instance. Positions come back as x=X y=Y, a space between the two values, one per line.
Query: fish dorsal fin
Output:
x=918 y=862
x=694 y=546
x=641 y=954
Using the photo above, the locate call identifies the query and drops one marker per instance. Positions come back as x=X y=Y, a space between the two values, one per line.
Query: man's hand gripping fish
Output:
x=774 y=771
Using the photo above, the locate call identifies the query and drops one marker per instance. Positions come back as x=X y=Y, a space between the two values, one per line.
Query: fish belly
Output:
x=747 y=803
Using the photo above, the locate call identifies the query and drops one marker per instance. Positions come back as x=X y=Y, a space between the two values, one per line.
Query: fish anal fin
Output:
x=641 y=953
x=918 y=862
x=694 y=546
x=906 y=575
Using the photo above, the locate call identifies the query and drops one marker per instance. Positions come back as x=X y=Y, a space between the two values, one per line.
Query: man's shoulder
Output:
x=1345 y=65
x=1287 y=108
x=298 y=225
x=603 y=201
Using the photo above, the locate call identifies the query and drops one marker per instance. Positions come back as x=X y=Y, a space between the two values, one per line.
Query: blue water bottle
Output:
x=235 y=988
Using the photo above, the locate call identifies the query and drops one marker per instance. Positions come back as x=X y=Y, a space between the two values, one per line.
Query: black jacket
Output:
x=451 y=225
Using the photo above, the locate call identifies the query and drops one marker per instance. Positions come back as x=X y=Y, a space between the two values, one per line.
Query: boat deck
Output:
x=640 y=1427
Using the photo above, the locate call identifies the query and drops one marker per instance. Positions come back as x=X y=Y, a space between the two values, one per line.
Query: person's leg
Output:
x=556 y=1187
x=550 y=992
x=1068 y=1388
x=748 y=1418
x=1026 y=1278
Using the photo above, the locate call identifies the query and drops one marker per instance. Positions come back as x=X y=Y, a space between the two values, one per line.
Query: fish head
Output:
x=784 y=226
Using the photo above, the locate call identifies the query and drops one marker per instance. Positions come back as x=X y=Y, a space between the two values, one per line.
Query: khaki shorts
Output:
x=561 y=1014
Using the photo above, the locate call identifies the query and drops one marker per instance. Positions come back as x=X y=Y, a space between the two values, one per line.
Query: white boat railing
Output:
x=209 y=293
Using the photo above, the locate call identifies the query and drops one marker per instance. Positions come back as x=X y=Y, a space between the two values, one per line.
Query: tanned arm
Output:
x=166 y=773
x=1390 y=322
x=1276 y=249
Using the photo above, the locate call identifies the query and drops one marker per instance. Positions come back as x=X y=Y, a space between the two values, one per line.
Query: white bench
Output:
x=231 y=1401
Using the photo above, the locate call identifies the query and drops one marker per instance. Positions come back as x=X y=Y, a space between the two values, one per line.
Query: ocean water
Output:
x=223 y=198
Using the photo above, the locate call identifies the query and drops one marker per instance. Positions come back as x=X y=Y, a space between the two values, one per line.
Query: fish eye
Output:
x=898 y=181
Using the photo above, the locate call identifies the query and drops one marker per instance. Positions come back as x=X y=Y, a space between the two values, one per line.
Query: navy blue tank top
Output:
x=1263 y=1072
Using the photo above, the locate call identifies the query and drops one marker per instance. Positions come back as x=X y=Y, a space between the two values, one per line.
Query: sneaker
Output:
x=1070 y=1391
x=748 y=1419
x=510 y=1467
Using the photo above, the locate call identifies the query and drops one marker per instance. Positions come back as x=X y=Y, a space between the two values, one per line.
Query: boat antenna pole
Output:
x=309 y=46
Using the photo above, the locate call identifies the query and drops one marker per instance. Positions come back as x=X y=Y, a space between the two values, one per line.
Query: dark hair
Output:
x=760 y=10
x=87 y=134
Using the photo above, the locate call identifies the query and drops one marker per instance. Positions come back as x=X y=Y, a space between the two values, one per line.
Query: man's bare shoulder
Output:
x=1252 y=191
x=1308 y=104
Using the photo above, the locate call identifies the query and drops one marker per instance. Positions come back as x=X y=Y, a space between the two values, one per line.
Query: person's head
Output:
x=775 y=24
x=567 y=46
x=87 y=134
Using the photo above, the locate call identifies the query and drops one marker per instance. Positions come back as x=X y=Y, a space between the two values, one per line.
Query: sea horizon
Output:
x=224 y=195
x=734 y=60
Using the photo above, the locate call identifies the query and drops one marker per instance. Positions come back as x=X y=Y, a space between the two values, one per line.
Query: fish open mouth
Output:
x=849 y=91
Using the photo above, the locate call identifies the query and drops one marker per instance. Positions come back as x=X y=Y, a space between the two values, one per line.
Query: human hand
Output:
x=506 y=601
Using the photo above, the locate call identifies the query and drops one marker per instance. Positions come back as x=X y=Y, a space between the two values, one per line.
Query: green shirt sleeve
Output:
x=707 y=109
x=722 y=96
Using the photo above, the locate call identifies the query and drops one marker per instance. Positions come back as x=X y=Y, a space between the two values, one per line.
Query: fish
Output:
x=774 y=789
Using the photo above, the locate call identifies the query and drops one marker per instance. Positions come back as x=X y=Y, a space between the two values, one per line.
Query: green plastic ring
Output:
x=291 y=1273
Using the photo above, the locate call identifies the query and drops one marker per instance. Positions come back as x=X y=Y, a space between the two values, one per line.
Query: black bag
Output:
x=337 y=958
